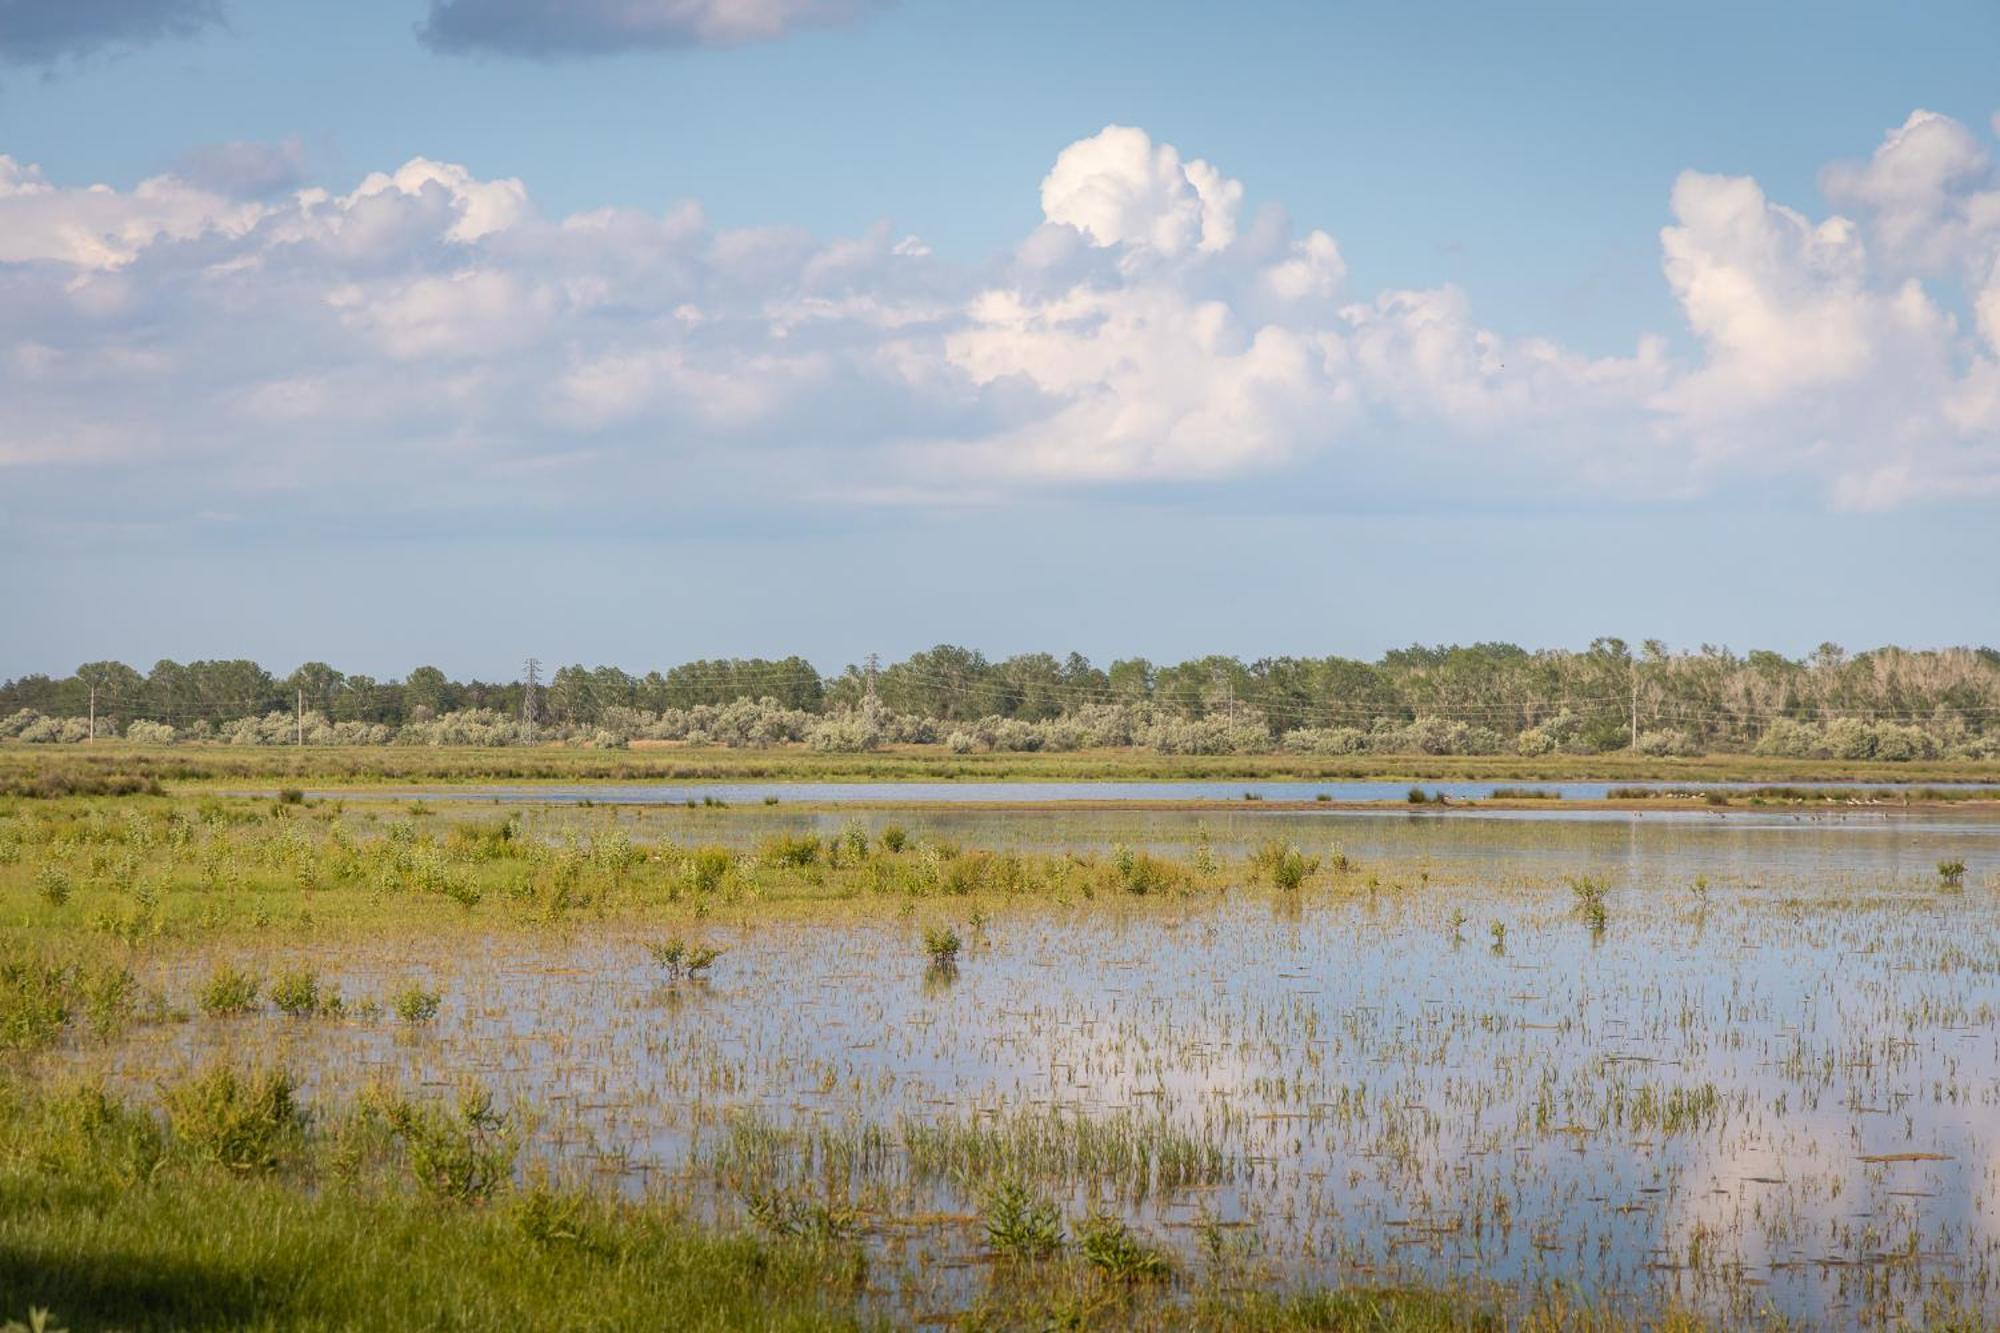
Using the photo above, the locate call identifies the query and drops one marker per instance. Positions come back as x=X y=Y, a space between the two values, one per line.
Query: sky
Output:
x=636 y=331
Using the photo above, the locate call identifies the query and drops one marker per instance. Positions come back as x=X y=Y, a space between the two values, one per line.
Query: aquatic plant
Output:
x=1284 y=864
x=1108 y=1245
x=244 y=1123
x=682 y=959
x=942 y=944
x=229 y=991
x=413 y=1004
x=1020 y=1224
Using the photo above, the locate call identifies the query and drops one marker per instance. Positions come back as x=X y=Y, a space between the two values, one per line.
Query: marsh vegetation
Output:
x=776 y=1066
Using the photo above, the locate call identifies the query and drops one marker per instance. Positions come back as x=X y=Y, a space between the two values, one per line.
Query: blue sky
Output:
x=721 y=326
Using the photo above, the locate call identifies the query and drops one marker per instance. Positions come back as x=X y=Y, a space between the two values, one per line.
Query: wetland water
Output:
x=1779 y=1092
x=1044 y=793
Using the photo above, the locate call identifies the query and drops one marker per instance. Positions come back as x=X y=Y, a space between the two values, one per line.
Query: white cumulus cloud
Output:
x=430 y=324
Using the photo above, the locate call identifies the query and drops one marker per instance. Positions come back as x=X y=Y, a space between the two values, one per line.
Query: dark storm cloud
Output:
x=43 y=32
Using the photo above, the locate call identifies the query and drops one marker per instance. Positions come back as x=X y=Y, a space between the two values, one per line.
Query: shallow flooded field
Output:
x=1750 y=1062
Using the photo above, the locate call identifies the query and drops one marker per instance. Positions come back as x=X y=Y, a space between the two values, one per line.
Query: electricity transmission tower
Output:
x=531 y=678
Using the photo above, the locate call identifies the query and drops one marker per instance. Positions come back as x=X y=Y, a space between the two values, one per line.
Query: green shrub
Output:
x=1021 y=1225
x=463 y=1153
x=1109 y=1246
x=246 y=1124
x=707 y=867
x=681 y=959
x=942 y=944
x=229 y=991
x=1590 y=900
x=1284 y=865
x=893 y=838
x=53 y=884
x=789 y=849
x=414 y=1004
x=298 y=993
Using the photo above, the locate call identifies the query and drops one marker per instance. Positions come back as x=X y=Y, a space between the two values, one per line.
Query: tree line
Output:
x=1469 y=698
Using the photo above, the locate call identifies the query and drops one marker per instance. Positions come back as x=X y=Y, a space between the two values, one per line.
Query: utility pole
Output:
x=1635 y=705
x=531 y=673
x=302 y=717
x=93 y=713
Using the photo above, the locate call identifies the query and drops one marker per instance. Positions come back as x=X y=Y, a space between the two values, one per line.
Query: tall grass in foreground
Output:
x=242 y=1208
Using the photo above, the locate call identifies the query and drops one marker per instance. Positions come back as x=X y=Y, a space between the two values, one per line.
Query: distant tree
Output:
x=427 y=688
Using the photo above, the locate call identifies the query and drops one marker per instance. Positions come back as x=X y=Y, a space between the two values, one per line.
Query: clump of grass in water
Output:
x=300 y=994
x=414 y=1004
x=229 y=991
x=783 y=1213
x=942 y=944
x=1951 y=874
x=1109 y=1246
x=463 y=1153
x=1020 y=1224
x=245 y=1123
x=1284 y=864
x=1141 y=873
x=1589 y=893
x=682 y=959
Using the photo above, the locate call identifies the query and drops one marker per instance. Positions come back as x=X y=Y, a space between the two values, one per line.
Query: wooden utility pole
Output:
x=93 y=713
x=302 y=717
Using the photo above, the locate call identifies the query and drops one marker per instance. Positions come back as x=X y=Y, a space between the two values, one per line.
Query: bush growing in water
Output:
x=464 y=1153
x=1109 y=1246
x=1021 y=1225
x=414 y=1004
x=229 y=991
x=942 y=944
x=299 y=994
x=1590 y=900
x=1285 y=865
x=681 y=959
x=243 y=1123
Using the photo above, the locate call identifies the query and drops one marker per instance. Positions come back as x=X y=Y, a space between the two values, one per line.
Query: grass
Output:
x=108 y=769
x=245 y=1211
